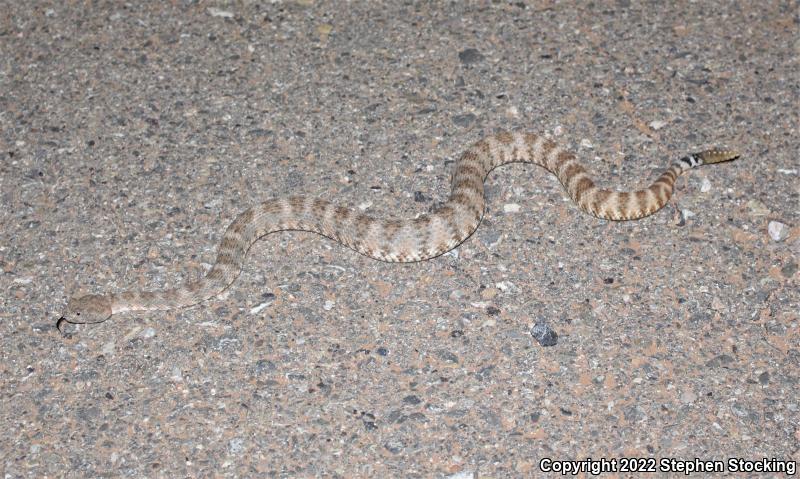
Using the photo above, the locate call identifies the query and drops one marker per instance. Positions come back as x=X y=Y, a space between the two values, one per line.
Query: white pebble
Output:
x=506 y=286
x=328 y=305
x=586 y=143
x=777 y=230
x=511 y=208
x=705 y=187
x=658 y=124
x=216 y=12
x=686 y=213
x=148 y=333
x=257 y=309
x=688 y=397
x=462 y=475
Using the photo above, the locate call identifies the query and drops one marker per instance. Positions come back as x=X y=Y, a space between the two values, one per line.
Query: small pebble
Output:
x=464 y=120
x=394 y=446
x=685 y=215
x=457 y=294
x=688 y=397
x=463 y=475
x=470 y=55
x=658 y=124
x=236 y=445
x=148 y=333
x=257 y=309
x=757 y=208
x=511 y=208
x=544 y=334
x=777 y=230
x=506 y=286
x=789 y=269
x=705 y=187
x=216 y=12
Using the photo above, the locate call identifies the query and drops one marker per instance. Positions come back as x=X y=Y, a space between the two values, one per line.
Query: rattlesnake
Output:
x=399 y=240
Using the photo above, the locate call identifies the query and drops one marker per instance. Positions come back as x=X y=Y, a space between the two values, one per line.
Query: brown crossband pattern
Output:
x=400 y=240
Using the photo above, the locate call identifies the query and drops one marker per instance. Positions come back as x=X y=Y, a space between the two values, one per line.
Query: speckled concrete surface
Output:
x=132 y=134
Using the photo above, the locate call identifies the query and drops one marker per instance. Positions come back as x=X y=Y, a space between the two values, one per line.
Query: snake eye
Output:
x=77 y=314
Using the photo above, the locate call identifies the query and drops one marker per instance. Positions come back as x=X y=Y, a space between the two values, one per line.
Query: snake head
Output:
x=92 y=308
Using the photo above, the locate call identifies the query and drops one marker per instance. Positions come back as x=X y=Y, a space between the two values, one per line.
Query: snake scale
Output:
x=399 y=240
